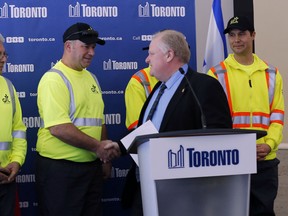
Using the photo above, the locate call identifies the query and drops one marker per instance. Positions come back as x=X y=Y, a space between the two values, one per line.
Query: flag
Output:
x=216 y=47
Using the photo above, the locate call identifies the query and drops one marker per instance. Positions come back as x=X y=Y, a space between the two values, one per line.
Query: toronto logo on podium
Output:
x=196 y=158
x=176 y=159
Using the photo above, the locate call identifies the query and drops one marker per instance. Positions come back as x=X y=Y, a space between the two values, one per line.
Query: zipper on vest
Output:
x=250 y=83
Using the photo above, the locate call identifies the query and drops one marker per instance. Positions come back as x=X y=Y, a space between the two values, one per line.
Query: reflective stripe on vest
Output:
x=19 y=134
x=277 y=116
x=72 y=107
x=220 y=72
x=5 y=145
x=258 y=119
x=143 y=79
x=271 y=80
x=242 y=120
x=15 y=134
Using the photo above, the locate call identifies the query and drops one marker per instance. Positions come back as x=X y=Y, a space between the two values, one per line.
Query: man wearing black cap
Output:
x=254 y=91
x=72 y=137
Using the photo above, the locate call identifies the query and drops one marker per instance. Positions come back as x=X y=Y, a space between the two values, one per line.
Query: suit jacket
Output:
x=183 y=112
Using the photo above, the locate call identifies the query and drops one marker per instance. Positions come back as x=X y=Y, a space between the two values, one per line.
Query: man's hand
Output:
x=114 y=150
x=4 y=174
x=262 y=150
x=107 y=150
x=9 y=173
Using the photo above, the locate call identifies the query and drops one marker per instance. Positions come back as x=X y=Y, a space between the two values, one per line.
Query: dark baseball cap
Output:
x=239 y=22
x=82 y=32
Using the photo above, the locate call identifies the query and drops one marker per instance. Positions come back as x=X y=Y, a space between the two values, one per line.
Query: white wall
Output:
x=271 y=42
x=271 y=45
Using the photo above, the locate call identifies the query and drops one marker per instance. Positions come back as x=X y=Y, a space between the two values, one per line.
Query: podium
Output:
x=196 y=172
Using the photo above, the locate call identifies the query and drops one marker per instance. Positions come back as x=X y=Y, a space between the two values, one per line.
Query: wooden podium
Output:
x=196 y=172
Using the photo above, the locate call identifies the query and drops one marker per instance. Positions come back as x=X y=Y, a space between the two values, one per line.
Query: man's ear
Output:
x=68 y=45
x=170 y=55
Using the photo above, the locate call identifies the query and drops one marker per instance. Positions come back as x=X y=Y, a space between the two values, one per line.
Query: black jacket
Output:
x=183 y=112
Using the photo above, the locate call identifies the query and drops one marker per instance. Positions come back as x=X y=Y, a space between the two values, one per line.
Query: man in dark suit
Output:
x=178 y=108
x=193 y=103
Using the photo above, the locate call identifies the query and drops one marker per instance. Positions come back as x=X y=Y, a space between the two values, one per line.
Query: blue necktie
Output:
x=153 y=108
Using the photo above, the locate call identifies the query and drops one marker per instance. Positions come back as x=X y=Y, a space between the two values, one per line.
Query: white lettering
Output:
x=113 y=118
x=124 y=65
x=160 y=11
x=121 y=173
x=20 y=68
x=24 y=204
x=146 y=37
x=25 y=178
x=28 y=12
x=33 y=94
x=92 y=11
x=32 y=122
x=114 y=65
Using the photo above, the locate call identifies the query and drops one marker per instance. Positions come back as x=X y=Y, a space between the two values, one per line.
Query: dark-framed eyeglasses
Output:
x=2 y=55
x=89 y=32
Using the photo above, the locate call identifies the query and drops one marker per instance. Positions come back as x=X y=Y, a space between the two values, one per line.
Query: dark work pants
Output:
x=131 y=196
x=7 y=199
x=264 y=186
x=137 y=207
x=66 y=188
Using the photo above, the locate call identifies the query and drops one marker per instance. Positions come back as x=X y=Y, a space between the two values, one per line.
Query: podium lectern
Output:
x=196 y=172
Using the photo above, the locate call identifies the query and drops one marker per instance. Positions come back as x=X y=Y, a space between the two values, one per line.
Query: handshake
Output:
x=108 y=150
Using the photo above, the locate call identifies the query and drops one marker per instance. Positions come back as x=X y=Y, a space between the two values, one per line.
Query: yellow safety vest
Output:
x=13 y=144
x=137 y=91
x=255 y=100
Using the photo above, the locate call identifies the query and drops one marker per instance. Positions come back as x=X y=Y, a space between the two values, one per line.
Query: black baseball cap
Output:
x=239 y=22
x=82 y=32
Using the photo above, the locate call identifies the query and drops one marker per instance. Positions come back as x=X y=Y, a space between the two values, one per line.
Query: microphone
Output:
x=203 y=119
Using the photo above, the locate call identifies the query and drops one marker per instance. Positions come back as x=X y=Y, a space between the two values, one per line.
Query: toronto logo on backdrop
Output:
x=84 y=10
x=4 y=11
x=153 y=10
x=13 y=11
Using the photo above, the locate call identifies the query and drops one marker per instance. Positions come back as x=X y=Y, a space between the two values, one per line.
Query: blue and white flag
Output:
x=216 y=47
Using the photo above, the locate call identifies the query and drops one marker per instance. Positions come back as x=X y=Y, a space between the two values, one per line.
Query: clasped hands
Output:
x=8 y=173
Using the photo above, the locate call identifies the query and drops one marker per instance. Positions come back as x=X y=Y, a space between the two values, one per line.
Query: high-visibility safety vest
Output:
x=13 y=144
x=136 y=92
x=255 y=100
x=75 y=121
x=142 y=77
x=68 y=96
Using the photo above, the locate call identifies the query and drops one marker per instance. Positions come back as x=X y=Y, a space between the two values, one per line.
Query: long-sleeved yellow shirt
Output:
x=13 y=144
x=253 y=104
